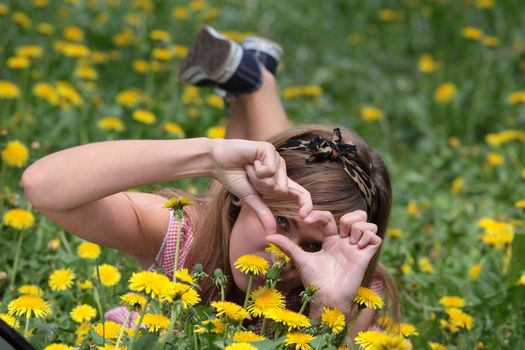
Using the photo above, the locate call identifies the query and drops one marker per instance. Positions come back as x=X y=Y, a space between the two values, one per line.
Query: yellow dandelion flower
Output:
x=387 y=15
x=19 y=219
x=394 y=232
x=180 y=12
x=457 y=185
x=406 y=269
x=215 y=101
x=437 y=346
x=28 y=306
x=83 y=313
x=85 y=284
x=109 y=275
x=252 y=265
x=278 y=256
x=61 y=279
x=454 y=142
x=216 y=132
x=176 y=203
x=130 y=97
x=264 y=299
x=494 y=159
x=159 y=35
x=516 y=97
x=218 y=326
x=133 y=300
x=425 y=265
x=472 y=33
x=45 y=28
x=312 y=90
x=457 y=320
x=520 y=203
x=299 y=340
x=8 y=90
x=333 y=319
x=474 y=271
x=30 y=51
x=408 y=330
x=88 y=250
x=230 y=310
x=152 y=283
x=371 y=113
x=292 y=92
x=452 y=301
x=490 y=41
x=58 y=346
x=240 y=346
x=68 y=93
x=21 y=19
x=73 y=50
x=155 y=322
x=162 y=53
x=366 y=297
x=53 y=244
x=247 y=337
x=484 y=4
x=179 y=50
x=114 y=347
x=144 y=116
x=521 y=280
x=86 y=72
x=47 y=92
x=73 y=33
x=185 y=276
x=190 y=298
x=140 y=66
x=291 y=319
x=427 y=64
x=4 y=9
x=445 y=93
x=15 y=154
x=10 y=320
x=111 y=124
x=111 y=330
x=31 y=289
x=174 y=129
x=373 y=340
x=18 y=62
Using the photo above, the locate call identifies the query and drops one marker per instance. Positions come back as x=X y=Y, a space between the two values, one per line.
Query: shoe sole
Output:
x=266 y=46
x=210 y=57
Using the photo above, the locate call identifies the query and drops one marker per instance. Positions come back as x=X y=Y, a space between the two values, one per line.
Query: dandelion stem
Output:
x=26 y=330
x=98 y=295
x=137 y=330
x=195 y=342
x=65 y=242
x=303 y=306
x=247 y=297
x=162 y=343
x=177 y=248
x=121 y=332
x=17 y=259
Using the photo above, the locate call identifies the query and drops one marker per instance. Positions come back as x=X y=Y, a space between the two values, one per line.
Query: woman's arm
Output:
x=80 y=188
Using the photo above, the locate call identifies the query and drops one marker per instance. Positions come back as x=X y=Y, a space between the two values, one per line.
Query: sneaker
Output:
x=214 y=60
x=268 y=52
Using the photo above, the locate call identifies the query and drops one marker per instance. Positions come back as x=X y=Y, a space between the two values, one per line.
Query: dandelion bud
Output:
x=219 y=278
x=198 y=272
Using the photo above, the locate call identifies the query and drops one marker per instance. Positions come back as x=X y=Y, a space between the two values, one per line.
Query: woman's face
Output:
x=248 y=237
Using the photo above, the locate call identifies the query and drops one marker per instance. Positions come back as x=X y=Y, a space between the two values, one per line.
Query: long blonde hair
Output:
x=331 y=189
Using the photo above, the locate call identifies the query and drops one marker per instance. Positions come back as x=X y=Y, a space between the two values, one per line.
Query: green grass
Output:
x=358 y=60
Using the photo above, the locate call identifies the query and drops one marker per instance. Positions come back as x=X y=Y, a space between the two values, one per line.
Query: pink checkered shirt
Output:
x=166 y=258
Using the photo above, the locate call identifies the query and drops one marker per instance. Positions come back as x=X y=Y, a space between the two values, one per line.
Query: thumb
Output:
x=299 y=257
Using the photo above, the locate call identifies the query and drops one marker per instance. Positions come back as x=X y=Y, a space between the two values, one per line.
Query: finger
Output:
x=368 y=238
x=262 y=211
x=359 y=228
x=262 y=185
x=266 y=161
x=325 y=220
x=347 y=220
x=281 y=178
x=304 y=198
x=298 y=256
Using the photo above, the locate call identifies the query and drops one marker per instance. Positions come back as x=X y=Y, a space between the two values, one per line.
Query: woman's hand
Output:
x=249 y=169
x=337 y=270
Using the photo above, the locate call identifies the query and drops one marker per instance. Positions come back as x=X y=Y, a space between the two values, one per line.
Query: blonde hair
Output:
x=331 y=189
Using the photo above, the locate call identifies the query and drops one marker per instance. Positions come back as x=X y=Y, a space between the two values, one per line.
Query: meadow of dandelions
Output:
x=437 y=86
